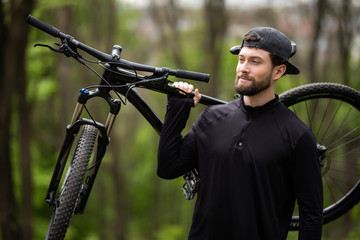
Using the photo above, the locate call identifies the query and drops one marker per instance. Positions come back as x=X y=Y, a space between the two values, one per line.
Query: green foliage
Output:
x=44 y=6
x=153 y=208
x=171 y=232
x=354 y=235
x=42 y=85
x=293 y=235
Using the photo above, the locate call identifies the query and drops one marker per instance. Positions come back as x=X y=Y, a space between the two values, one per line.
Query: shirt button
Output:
x=240 y=144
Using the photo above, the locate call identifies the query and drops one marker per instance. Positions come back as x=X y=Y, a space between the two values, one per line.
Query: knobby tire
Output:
x=71 y=188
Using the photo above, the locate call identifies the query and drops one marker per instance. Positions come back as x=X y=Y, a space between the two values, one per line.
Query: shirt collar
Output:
x=267 y=106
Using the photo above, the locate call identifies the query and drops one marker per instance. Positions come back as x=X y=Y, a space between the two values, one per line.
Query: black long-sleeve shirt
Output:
x=253 y=163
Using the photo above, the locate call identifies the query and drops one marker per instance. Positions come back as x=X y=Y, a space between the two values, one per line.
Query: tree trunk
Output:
x=174 y=36
x=9 y=223
x=13 y=80
x=216 y=25
x=345 y=36
x=117 y=171
x=319 y=17
x=24 y=126
x=166 y=17
x=120 y=194
x=63 y=70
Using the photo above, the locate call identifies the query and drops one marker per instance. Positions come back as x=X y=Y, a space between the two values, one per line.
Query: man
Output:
x=253 y=155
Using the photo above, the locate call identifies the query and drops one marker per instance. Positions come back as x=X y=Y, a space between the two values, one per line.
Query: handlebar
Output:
x=203 y=77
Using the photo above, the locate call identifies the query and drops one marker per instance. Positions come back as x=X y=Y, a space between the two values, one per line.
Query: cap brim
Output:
x=290 y=69
x=235 y=49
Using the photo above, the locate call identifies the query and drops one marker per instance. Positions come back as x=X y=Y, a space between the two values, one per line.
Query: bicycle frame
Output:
x=110 y=75
x=113 y=75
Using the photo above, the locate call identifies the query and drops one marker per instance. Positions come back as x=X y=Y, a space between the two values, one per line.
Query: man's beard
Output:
x=254 y=87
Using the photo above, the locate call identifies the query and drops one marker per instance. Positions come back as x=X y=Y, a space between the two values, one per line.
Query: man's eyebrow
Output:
x=252 y=56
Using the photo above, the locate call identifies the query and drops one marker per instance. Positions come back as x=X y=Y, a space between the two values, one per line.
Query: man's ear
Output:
x=279 y=71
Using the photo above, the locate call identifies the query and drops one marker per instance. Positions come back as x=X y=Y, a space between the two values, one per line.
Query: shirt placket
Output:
x=241 y=141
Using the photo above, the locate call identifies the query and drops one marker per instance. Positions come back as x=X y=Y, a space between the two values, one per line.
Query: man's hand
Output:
x=188 y=88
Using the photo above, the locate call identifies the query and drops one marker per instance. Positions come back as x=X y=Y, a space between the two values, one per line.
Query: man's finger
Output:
x=184 y=86
x=197 y=97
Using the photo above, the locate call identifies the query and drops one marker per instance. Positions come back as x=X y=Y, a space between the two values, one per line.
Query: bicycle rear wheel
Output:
x=332 y=111
x=69 y=192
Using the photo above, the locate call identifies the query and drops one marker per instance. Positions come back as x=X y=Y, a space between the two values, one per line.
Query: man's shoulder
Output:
x=220 y=110
x=215 y=113
x=290 y=121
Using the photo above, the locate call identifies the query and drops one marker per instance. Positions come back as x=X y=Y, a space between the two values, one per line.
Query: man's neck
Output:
x=259 y=99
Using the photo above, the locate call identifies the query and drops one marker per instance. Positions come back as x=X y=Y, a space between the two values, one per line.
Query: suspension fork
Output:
x=71 y=131
x=103 y=141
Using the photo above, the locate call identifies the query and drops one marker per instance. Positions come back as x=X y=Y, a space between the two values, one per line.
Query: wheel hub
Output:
x=324 y=162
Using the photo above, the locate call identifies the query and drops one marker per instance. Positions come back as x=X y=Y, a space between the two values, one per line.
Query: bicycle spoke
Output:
x=344 y=124
x=323 y=118
x=331 y=121
x=346 y=143
x=331 y=192
x=345 y=154
x=308 y=115
x=344 y=135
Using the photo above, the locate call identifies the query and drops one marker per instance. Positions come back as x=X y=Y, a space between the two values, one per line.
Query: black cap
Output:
x=273 y=41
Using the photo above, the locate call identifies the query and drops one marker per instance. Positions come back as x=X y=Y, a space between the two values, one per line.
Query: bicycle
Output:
x=336 y=128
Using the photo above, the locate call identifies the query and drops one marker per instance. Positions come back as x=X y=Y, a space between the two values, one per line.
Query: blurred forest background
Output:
x=39 y=90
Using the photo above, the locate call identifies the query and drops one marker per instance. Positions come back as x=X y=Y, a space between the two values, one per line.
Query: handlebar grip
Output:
x=43 y=26
x=203 y=77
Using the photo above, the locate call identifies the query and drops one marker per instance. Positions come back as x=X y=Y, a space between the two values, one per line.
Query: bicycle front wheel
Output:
x=69 y=192
x=332 y=111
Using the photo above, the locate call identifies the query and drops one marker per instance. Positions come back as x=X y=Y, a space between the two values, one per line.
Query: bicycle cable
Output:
x=129 y=86
x=97 y=74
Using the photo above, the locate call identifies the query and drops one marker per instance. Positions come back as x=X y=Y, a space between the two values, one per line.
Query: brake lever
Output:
x=63 y=48
x=59 y=50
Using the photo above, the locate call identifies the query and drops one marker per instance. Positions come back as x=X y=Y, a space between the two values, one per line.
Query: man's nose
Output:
x=243 y=67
